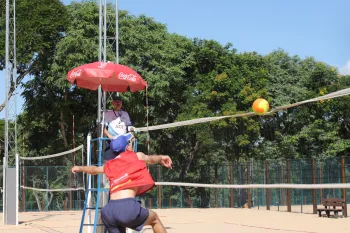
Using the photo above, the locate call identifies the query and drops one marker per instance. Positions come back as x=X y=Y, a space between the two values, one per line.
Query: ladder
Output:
x=99 y=191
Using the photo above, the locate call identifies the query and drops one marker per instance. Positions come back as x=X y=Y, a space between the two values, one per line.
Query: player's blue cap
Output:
x=120 y=143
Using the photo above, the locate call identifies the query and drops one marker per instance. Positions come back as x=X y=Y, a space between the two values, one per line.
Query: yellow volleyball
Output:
x=261 y=106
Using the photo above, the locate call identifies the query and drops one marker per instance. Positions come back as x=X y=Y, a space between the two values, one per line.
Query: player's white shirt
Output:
x=117 y=122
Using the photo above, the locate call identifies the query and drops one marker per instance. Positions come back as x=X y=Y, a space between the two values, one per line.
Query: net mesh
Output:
x=47 y=183
x=314 y=128
x=326 y=171
x=332 y=95
x=312 y=175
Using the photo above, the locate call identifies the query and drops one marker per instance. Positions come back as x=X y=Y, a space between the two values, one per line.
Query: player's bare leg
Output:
x=154 y=221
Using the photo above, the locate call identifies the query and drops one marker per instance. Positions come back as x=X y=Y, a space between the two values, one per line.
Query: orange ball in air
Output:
x=261 y=106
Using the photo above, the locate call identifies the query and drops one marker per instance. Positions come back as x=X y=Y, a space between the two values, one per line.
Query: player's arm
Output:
x=154 y=159
x=93 y=170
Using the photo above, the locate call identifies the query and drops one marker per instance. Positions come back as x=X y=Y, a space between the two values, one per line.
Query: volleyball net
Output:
x=337 y=94
x=201 y=174
x=47 y=183
x=270 y=184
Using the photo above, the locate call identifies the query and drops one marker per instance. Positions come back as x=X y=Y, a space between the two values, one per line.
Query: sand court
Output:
x=194 y=220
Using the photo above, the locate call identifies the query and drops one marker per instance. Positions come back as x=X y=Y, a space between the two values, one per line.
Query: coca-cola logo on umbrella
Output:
x=130 y=77
x=75 y=73
x=102 y=65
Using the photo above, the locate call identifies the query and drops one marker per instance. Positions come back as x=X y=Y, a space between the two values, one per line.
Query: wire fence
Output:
x=302 y=171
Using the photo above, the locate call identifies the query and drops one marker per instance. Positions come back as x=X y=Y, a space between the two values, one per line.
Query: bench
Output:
x=335 y=202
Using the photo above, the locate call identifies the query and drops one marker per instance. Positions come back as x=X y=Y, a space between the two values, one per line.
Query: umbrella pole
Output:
x=116 y=33
x=99 y=108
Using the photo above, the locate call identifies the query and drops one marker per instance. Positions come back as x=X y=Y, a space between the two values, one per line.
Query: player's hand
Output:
x=75 y=169
x=166 y=161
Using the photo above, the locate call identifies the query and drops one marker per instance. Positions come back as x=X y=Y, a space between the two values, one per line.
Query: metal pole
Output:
x=343 y=180
x=47 y=186
x=116 y=32
x=289 y=206
x=100 y=32
x=23 y=190
x=7 y=68
x=301 y=181
x=159 y=189
x=100 y=59
x=248 y=182
x=14 y=74
x=314 y=204
x=104 y=97
x=17 y=187
x=70 y=193
x=10 y=143
x=231 y=190
x=7 y=88
x=88 y=163
x=101 y=101
x=4 y=190
x=105 y=31
x=88 y=150
x=105 y=12
x=267 y=195
x=181 y=198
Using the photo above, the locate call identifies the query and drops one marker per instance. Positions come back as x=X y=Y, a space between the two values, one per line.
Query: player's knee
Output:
x=153 y=218
x=156 y=219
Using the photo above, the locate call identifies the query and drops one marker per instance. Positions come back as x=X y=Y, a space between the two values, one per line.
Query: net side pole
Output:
x=267 y=191
x=17 y=187
x=4 y=189
x=343 y=180
x=289 y=203
x=314 y=204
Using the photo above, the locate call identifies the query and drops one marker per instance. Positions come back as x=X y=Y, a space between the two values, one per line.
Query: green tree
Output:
x=161 y=58
x=39 y=26
x=308 y=130
x=188 y=79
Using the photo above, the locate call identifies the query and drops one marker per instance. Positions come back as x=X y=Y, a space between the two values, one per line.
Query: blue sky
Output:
x=317 y=28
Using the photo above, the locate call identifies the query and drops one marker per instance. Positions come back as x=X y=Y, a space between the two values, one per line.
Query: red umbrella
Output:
x=112 y=77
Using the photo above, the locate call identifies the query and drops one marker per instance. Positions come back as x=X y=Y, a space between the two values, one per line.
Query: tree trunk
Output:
x=37 y=197
x=215 y=182
x=63 y=128
x=185 y=168
x=37 y=201
x=205 y=193
x=12 y=87
x=49 y=201
x=189 y=161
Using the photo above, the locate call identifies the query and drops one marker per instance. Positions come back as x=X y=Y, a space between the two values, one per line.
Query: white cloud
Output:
x=345 y=70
